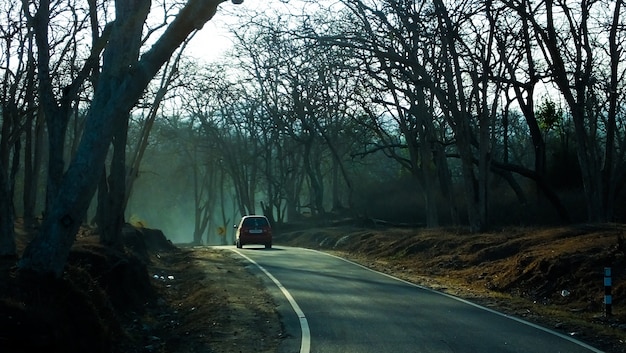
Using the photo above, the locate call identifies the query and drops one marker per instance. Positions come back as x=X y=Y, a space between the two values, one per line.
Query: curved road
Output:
x=350 y=309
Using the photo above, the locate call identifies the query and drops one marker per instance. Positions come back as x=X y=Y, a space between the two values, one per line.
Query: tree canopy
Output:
x=429 y=113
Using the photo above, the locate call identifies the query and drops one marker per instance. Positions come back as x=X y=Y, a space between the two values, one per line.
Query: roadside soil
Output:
x=152 y=296
x=213 y=304
x=149 y=297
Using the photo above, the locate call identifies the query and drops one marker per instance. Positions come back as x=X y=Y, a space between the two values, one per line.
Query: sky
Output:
x=215 y=38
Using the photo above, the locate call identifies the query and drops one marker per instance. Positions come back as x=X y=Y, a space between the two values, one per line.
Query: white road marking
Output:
x=528 y=323
x=305 y=344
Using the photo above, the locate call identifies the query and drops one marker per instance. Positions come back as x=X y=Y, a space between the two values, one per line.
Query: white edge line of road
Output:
x=305 y=343
x=566 y=337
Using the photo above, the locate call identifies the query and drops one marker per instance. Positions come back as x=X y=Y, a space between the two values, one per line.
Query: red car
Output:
x=253 y=230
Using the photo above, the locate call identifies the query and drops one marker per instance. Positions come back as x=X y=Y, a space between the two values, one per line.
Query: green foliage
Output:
x=549 y=115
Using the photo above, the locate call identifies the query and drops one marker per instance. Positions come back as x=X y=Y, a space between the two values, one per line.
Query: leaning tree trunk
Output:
x=48 y=252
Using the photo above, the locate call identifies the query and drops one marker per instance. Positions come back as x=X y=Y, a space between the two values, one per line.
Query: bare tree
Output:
x=123 y=78
x=283 y=168
x=18 y=110
x=206 y=147
x=577 y=55
x=518 y=52
x=397 y=42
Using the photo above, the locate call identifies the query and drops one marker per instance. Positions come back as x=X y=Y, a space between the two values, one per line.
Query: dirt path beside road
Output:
x=219 y=305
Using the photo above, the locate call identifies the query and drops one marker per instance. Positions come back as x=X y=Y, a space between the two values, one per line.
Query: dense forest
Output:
x=439 y=112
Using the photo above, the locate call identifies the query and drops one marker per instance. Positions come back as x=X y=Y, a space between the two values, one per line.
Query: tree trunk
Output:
x=427 y=156
x=7 y=226
x=102 y=196
x=228 y=237
x=7 y=212
x=429 y=181
x=137 y=155
x=317 y=187
x=445 y=183
x=33 y=136
x=30 y=188
x=112 y=220
x=454 y=100
x=609 y=179
x=204 y=200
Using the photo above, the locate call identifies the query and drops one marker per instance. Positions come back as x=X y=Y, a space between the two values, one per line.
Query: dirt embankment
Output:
x=551 y=276
x=149 y=297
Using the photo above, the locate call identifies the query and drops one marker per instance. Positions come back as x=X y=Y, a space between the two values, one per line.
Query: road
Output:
x=349 y=309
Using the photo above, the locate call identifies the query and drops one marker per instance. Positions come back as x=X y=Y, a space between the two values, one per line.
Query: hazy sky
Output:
x=215 y=38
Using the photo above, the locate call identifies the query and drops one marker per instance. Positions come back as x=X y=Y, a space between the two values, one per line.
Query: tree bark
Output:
x=33 y=140
x=7 y=226
x=609 y=175
x=112 y=220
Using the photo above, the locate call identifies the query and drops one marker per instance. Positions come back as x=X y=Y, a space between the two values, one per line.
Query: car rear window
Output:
x=255 y=222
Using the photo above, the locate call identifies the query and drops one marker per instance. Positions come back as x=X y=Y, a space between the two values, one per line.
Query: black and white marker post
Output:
x=608 y=299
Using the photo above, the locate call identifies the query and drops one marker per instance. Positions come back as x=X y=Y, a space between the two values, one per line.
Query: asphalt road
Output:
x=347 y=308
